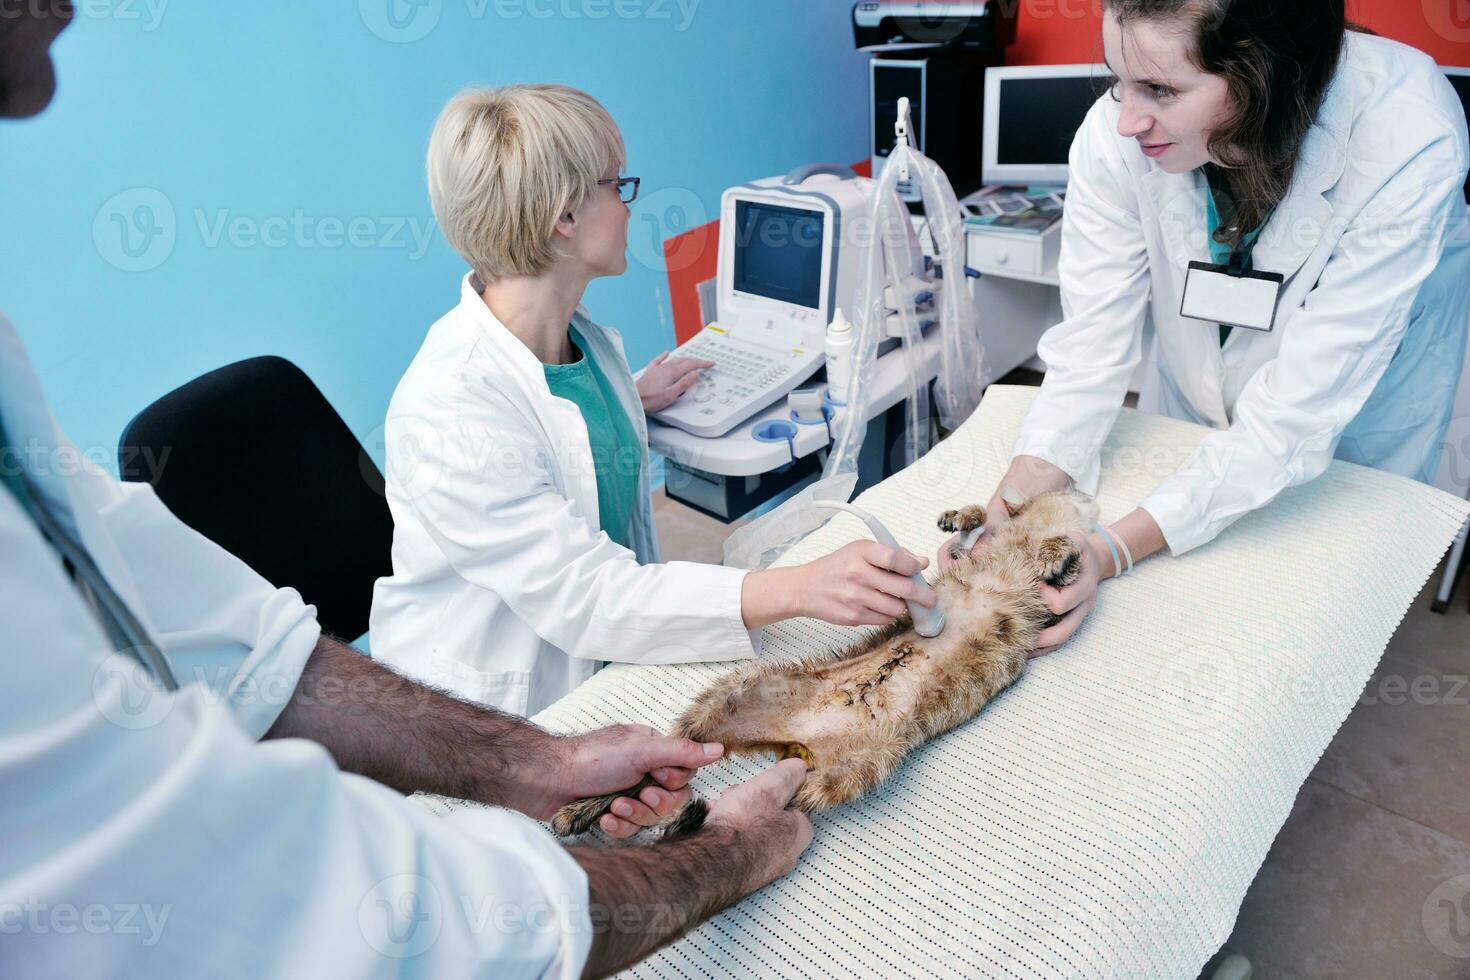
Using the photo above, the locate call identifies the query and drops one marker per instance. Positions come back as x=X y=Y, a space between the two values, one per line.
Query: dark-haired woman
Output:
x=1305 y=181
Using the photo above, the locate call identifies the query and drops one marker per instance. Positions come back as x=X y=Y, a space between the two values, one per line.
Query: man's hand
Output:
x=663 y=381
x=749 y=839
x=618 y=757
x=759 y=808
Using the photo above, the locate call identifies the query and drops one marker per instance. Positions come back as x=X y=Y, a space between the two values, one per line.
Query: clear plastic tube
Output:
x=961 y=377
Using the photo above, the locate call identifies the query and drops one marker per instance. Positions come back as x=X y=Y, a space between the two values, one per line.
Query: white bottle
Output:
x=839 y=357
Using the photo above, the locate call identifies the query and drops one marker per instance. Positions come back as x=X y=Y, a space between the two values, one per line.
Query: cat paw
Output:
x=1059 y=561
x=962 y=520
x=580 y=816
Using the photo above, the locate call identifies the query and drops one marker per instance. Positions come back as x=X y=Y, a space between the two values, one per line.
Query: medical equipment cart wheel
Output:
x=1234 y=967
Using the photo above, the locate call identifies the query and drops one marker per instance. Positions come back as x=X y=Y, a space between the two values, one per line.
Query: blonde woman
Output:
x=524 y=551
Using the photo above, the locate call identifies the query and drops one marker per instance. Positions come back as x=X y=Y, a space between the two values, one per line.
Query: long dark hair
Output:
x=1277 y=60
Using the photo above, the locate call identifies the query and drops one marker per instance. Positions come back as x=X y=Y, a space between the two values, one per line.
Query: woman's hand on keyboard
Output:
x=664 y=380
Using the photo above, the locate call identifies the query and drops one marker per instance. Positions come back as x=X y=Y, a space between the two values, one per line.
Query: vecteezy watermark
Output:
x=403 y=915
x=137 y=230
x=657 y=221
x=34 y=458
x=420 y=452
x=1198 y=688
x=1446 y=917
x=146 y=13
x=400 y=21
x=302 y=230
x=405 y=21
x=126 y=694
x=95 y=918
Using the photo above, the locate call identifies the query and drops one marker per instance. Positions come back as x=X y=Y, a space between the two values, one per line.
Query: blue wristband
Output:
x=1099 y=530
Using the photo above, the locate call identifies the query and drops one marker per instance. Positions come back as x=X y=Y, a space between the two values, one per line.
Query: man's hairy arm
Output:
x=643 y=897
x=412 y=737
x=418 y=739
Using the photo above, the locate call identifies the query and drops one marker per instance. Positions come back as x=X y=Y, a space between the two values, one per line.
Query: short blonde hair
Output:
x=505 y=163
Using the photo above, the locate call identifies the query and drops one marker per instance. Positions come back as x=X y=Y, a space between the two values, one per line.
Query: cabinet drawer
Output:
x=1001 y=251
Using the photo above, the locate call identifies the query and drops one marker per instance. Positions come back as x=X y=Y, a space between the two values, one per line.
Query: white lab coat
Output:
x=147 y=834
x=1374 y=241
x=504 y=588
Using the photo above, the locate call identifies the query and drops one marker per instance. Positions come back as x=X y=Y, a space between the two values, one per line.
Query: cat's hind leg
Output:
x=580 y=816
x=749 y=708
x=846 y=768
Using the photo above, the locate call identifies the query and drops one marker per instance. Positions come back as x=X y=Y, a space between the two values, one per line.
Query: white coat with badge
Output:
x=1373 y=240
x=504 y=589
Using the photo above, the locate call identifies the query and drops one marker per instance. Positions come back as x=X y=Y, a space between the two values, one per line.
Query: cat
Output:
x=854 y=715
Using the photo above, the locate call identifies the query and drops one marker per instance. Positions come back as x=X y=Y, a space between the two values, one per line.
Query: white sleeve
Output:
x=483 y=488
x=149 y=835
x=1291 y=414
x=1091 y=355
x=218 y=621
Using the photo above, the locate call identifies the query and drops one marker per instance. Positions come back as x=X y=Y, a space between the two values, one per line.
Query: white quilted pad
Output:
x=1105 y=816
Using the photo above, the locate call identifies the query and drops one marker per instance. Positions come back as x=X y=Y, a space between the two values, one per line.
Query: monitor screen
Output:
x=1039 y=117
x=778 y=253
x=1462 y=88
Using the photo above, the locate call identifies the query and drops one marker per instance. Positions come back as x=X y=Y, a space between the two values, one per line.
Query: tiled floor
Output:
x=1362 y=880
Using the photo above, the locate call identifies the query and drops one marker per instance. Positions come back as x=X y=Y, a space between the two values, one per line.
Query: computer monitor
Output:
x=1031 y=115
x=778 y=252
x=1460 y=79
x=791 y=249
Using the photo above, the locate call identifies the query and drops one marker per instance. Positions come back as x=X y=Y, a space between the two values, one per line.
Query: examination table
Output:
x=1104 y=816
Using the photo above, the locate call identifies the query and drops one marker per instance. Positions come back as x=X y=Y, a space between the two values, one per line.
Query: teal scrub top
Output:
x=616 y=453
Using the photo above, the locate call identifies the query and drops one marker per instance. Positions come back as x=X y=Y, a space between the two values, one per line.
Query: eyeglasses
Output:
x=627 y=187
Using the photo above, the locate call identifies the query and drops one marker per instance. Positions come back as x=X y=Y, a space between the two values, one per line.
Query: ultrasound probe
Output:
x=927 y=622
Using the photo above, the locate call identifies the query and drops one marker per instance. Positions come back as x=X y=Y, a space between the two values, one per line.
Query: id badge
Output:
x=1244 y=299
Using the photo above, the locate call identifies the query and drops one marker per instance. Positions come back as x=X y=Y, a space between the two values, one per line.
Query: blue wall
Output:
x=267 y=161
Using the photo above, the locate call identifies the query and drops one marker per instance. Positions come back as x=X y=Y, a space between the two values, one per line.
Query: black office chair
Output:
x=253 y=457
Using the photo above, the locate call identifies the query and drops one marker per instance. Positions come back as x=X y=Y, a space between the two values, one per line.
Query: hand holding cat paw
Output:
x=1071 y=603
x=611 y=759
